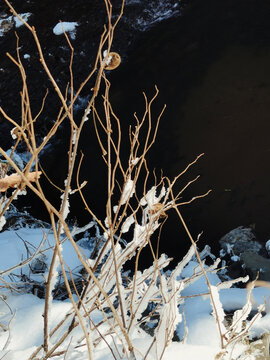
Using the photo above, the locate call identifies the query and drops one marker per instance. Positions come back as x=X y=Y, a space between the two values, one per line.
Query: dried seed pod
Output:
x=114 y=62
x=158 y=207
x=14 y=180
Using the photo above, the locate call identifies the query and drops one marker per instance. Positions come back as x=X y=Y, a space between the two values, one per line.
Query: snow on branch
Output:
x=128 y=191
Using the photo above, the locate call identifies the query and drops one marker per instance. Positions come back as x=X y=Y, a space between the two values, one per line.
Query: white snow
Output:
x=267 y=246
x=65 y=26
x=108 y=60
x=22 y=312
x=135 y=161
x=74 y=136
x=66 y=207
x=235 y=258
x=24 y=16
x=86 y=114
x=27 y=324
x=19 y=245
x=128 y=191
x=2 y=222
x=151 y=199
x=127 y=223
x=6 y=24
x=13 y=135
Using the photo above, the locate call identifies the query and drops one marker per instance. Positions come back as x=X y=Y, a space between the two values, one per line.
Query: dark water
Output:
x=212 y=68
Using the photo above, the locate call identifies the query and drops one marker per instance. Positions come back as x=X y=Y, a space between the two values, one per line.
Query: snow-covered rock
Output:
x=240 y=240
x=255 y=265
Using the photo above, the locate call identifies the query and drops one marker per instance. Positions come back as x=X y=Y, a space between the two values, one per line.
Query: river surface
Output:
x=212 y=68
x=210 y=61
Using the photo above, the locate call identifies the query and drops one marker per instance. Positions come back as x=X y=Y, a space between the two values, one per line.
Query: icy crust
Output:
x=153 y=12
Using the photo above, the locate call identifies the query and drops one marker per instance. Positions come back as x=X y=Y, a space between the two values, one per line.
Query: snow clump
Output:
x=65 y=26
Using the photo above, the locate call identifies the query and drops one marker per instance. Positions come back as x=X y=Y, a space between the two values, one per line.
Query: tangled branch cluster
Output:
x=124 y=304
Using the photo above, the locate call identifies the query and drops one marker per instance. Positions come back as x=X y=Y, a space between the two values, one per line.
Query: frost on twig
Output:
x=218 y=311
x=128 y=191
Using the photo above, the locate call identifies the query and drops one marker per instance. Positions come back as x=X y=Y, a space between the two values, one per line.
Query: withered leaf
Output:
x=16 y=180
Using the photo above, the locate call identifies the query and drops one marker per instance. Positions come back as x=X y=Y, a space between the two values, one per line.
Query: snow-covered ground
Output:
x=21 y=312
